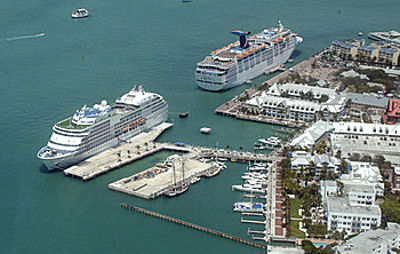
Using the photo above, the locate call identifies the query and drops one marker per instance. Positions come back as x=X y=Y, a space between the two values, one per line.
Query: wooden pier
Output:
x=191 y=225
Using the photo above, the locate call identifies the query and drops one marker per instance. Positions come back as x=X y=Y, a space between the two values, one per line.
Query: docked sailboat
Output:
x=177 y=190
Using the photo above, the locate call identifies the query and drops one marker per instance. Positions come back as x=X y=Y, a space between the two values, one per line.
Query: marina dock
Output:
x=191 y=225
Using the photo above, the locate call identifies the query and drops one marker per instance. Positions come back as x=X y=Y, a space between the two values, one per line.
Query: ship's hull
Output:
x=251 y=73
x=63 y=162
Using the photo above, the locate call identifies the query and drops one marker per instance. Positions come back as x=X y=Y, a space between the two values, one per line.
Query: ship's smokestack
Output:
x=242 y=38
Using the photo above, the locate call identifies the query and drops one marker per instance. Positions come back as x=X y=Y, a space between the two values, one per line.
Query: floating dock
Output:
x=191 y=225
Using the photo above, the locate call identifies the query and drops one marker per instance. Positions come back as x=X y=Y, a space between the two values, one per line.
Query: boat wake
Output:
x=31 y=36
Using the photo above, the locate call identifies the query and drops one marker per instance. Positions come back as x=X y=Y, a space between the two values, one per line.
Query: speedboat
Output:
x=80 y=13
x=272 y=141
x=249 y=188
x=256 y=177
x=248 y=207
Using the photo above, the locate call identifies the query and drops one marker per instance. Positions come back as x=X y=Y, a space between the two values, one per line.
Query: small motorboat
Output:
x=80 y=13
x=253 y=188
x=205 y=130
x=184 y=114
x=195 y=179
x=360 y=33
x=213 y=172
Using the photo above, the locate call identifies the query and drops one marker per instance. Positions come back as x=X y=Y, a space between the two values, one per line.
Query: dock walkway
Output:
x=192 y=225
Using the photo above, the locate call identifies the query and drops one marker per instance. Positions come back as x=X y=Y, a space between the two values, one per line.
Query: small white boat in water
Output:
x=256 y=177
x=248 y=207
x=257 y=168
x=249 y=188
x=205 y=130
x=80 y=13
x=195 y=179
x=272 y=141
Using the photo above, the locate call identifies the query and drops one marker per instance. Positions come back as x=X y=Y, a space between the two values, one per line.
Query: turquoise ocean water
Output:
x=46 y=78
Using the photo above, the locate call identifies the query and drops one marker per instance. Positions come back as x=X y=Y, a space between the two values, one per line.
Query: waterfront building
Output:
x=368 y=52
x=311 y=136
x=392 y=113
x=380 y=241
x=389 y=55
x=347 y=48
x=298 y=102
x=300 y=91
x=382 y=52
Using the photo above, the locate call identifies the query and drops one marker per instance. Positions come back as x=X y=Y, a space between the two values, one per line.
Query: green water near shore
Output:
x=157 y=43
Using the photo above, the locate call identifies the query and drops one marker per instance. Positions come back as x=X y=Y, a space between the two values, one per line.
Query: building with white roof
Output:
x=284 y=102
x=366 y=139
x=378 y=241
x=304 y=160
x=364 y=173
x=297 y=90
x=311 y=135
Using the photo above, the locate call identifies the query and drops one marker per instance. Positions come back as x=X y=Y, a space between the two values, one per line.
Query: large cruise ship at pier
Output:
x=246 y=59
x=94 y=129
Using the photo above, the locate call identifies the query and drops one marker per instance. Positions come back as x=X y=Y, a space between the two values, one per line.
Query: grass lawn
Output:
x=295 y=205
x=296 y=232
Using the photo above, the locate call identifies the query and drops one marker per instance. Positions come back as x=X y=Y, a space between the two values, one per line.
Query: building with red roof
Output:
x=392 y=113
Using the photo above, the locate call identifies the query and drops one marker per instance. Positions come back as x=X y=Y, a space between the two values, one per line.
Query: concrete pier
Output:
x=157 y=180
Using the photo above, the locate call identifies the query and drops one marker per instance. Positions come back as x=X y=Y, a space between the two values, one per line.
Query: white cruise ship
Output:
x=246 y=59
x=391 y=36
x=94 y=129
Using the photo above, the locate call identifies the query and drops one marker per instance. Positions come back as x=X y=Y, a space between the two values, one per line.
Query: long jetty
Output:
x=191 y=225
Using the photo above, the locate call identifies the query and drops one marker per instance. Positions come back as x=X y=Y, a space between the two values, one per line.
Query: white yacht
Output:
x=92 y=130
x=248 y=207
x=254 y=188
x=80 y=13
x=271 y=141
x=246 y=59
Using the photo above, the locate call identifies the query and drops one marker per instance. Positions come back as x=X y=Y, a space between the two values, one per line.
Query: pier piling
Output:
x=191 y=225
